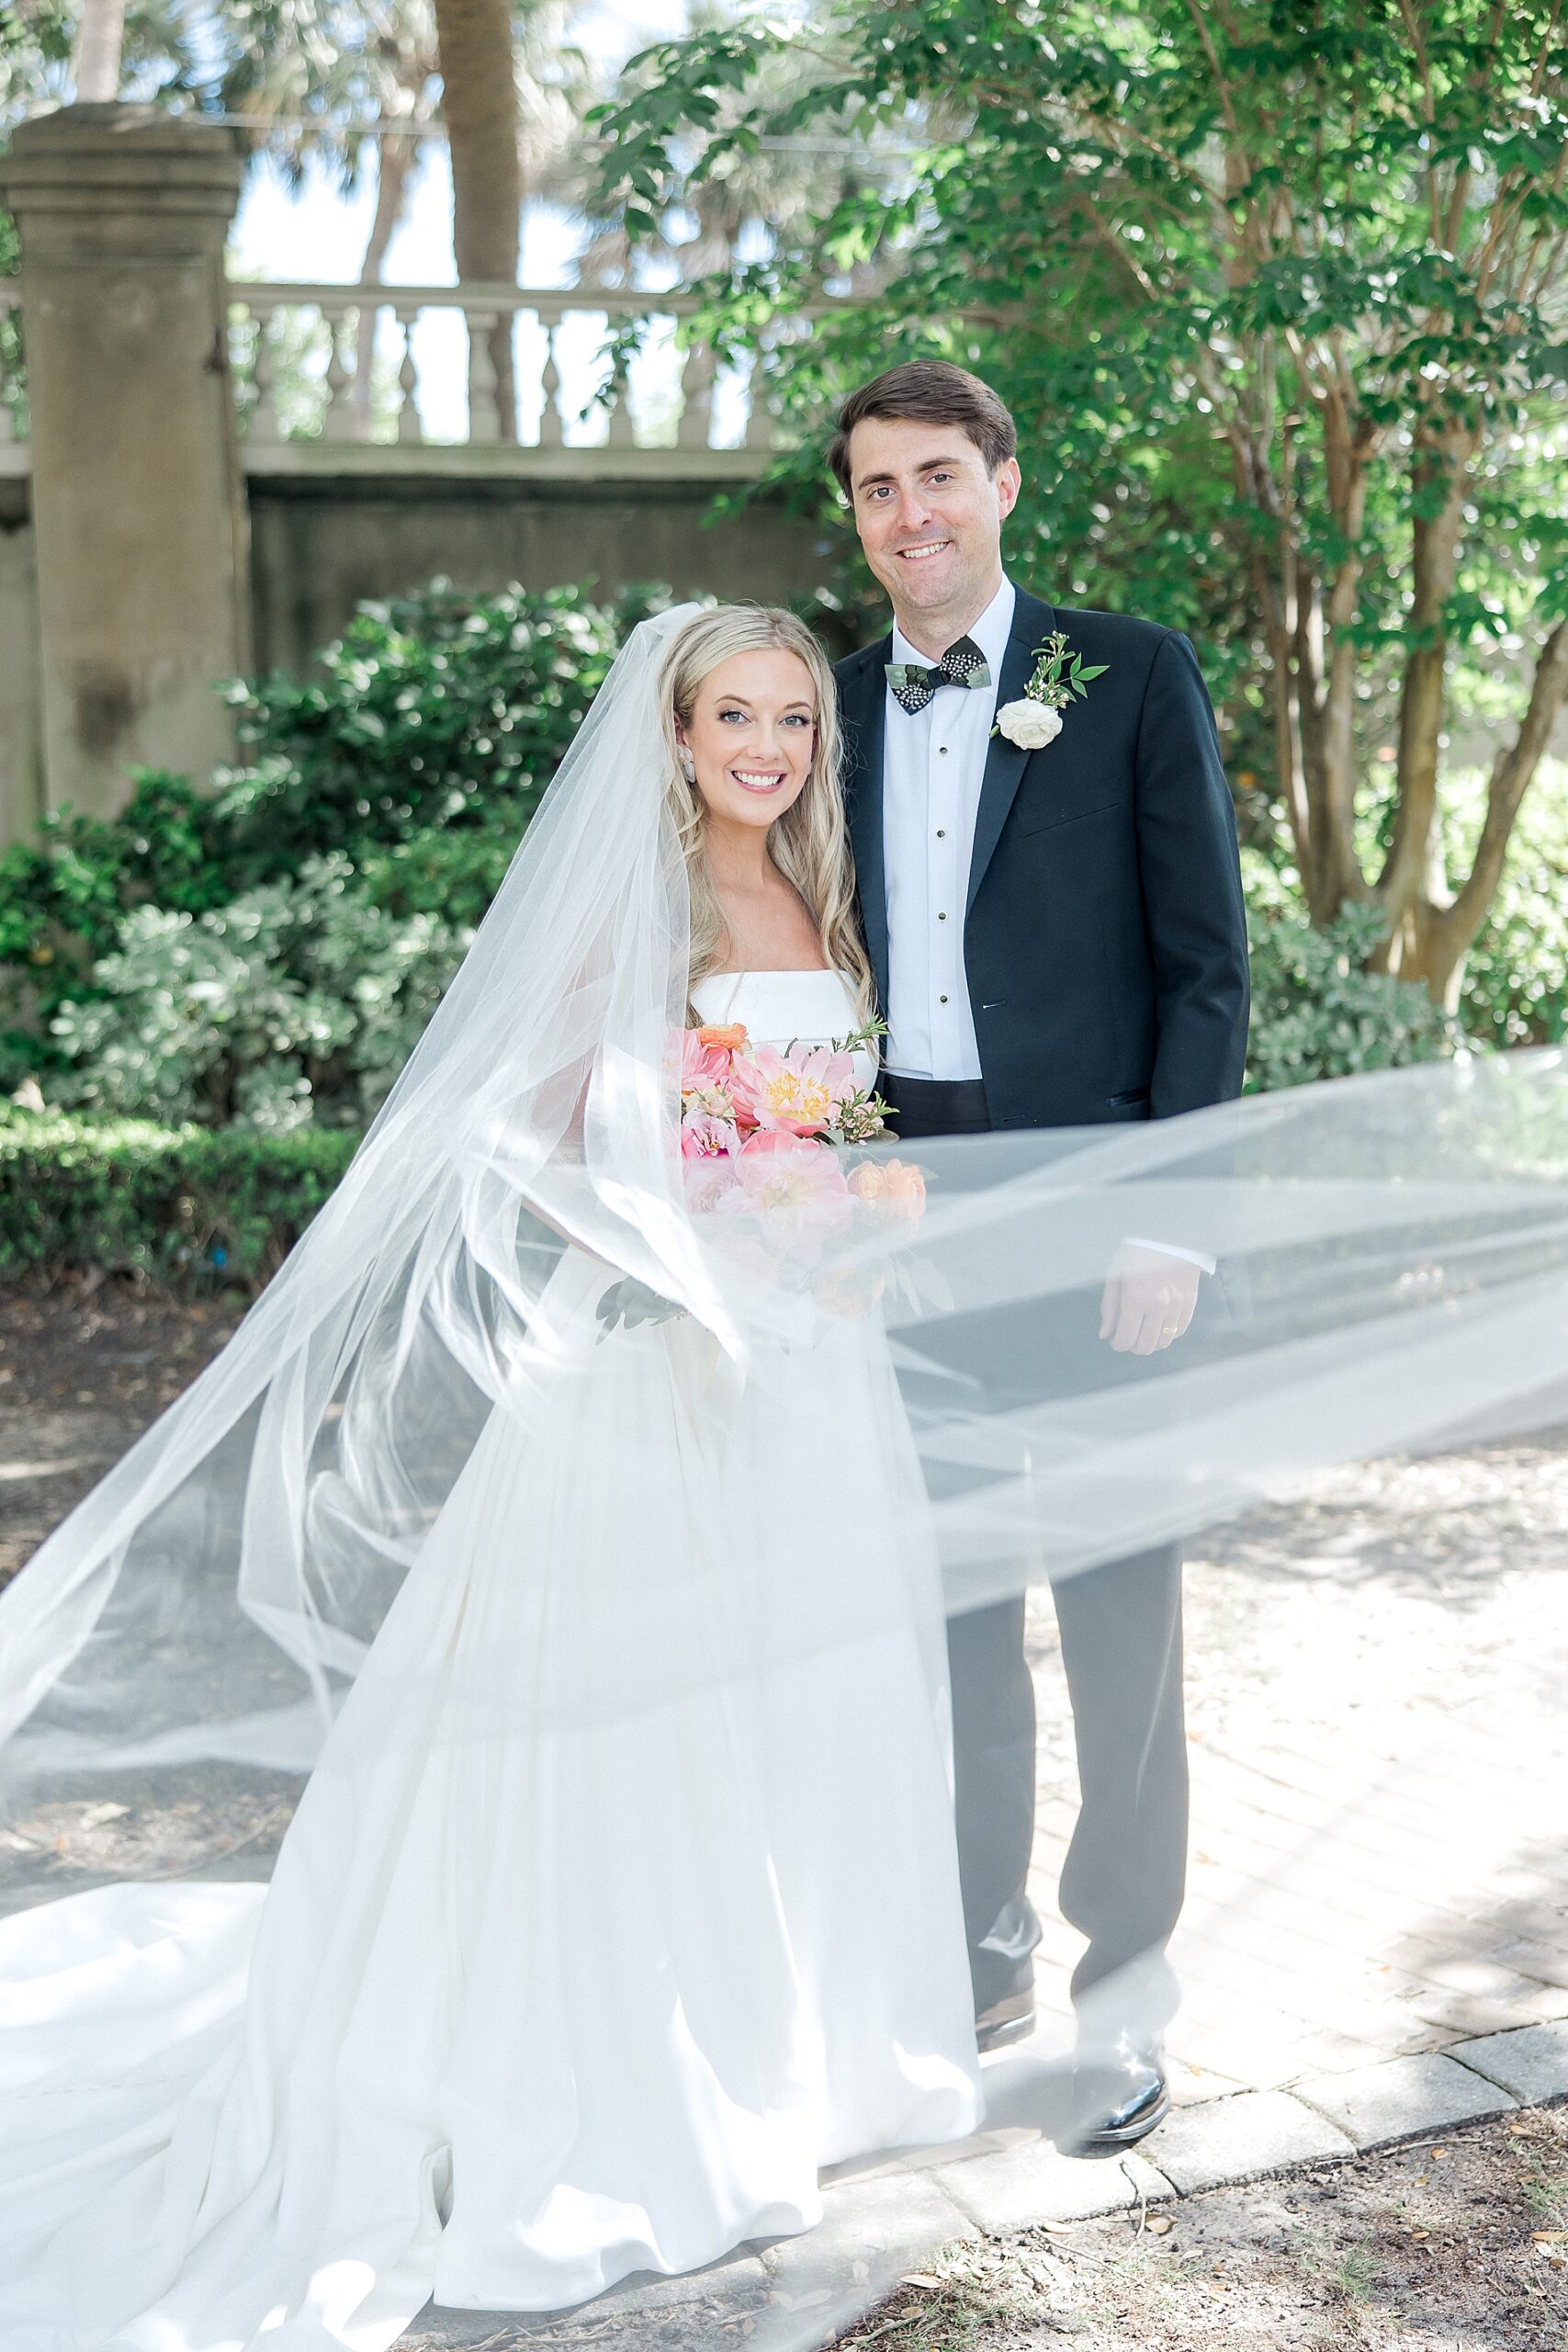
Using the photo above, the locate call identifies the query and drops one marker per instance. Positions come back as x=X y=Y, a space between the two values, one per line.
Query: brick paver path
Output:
x=1378 y=1700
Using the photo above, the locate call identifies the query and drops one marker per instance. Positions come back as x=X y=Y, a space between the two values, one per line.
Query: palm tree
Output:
x=479 y=105
x=54 y=51
x=100 y=41
x=310 y=75
x=308 y=78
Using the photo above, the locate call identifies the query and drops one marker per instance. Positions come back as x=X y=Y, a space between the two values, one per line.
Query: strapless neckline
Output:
x=786 y=1007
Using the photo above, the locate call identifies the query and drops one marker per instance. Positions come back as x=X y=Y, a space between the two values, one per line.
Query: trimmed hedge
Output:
x=195 y=1208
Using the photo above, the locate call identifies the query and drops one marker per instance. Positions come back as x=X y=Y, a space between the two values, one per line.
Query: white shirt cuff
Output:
x=1171 y=1249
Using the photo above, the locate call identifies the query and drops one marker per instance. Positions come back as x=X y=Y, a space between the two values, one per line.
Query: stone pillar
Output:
x=138 y=500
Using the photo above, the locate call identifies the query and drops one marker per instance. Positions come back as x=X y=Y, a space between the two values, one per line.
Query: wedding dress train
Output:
x=601 y=1926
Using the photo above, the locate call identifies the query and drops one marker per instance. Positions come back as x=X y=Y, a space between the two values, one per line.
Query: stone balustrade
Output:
x=315 y=332
x=199 y=477
x=306 y=339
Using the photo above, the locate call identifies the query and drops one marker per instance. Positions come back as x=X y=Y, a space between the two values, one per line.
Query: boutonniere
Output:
x=1036 y=719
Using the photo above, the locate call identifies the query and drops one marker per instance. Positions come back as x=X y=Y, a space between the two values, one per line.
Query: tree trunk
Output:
x=479 y=105
x=1441 y=937
x=394 y=162
x=1406 y=883
x=100 y=38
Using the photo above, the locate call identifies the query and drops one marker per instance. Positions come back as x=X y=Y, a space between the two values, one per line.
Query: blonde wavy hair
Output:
x=810 y=844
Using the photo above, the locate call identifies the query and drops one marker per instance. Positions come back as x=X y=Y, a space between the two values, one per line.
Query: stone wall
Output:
x=332 y=529
x=323 y=540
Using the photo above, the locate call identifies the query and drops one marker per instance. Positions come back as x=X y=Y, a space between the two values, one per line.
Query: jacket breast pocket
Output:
x=1043 y=812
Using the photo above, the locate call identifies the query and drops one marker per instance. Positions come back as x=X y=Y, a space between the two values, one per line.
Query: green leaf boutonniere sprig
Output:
x=1057 y=676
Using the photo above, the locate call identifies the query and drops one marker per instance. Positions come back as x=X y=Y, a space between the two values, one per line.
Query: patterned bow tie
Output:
x=913 y=684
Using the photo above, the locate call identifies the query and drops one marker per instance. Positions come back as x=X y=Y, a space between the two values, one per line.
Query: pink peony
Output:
x=798 y=1092
x=708 y=1134
x=797 y=1186
x=710 y=1182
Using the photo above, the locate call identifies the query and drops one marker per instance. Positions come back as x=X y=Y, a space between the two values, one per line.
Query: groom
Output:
x=1058 y=940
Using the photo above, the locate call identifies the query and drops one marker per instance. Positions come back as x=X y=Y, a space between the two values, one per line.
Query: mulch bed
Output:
x=84 y=1369
x=1431 y=2247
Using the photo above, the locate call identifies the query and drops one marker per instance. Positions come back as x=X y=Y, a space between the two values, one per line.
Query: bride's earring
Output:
x=688 y=765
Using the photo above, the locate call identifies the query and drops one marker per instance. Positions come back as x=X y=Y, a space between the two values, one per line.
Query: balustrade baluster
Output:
x=696 y=397
x=621 y=432
x=337 y=420
x=759 y=423
x=409 y=425
x=262 y=426
x=484 y=417
x=550 y=434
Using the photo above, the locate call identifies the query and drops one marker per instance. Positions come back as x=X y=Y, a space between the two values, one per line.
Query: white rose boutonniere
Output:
x=1030 y=725
x=1057 y=677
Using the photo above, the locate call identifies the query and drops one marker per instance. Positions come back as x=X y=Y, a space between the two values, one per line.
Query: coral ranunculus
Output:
x=729 y=1037
x=892 y=1184
x=702 y=1065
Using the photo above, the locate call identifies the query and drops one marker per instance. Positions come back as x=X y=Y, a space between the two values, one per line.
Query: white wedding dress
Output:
x=598 y=1930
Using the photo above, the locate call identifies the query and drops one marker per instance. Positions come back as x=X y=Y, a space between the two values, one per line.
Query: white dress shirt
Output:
x=933 y=763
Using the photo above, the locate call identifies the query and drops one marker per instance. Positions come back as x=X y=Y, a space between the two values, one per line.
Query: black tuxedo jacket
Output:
x=1104 y=938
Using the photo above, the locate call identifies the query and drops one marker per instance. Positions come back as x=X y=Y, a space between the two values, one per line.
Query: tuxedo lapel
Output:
x=1005 y=762
x=862 y=708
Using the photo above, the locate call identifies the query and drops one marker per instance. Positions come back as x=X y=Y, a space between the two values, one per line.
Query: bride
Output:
x=622 y=1896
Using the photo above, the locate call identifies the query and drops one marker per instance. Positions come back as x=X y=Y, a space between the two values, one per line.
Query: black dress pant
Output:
x=1123 y=1882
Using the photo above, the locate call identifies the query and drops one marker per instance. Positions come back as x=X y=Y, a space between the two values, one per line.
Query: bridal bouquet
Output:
x=763 y=1133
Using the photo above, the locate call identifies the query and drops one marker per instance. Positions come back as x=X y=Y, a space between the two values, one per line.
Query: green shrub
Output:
x=440 y=708
x=414 y=758
x=1515 y=976
x=1316 y=1010
x=182 y=1206
x=295 y=997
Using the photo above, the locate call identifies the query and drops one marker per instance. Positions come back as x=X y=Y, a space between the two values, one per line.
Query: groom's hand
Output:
x=1148 y=1300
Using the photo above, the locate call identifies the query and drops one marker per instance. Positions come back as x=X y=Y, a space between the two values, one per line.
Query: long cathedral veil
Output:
x=1393 y=1257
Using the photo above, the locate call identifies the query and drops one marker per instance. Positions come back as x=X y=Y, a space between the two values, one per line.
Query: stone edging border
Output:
x=879 y=2223
x=1222 y=2143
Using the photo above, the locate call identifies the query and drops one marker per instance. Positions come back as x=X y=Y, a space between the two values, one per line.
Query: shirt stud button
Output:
x=941 y=917
x=941 y=1000
x=943 y=749
x=941 y=832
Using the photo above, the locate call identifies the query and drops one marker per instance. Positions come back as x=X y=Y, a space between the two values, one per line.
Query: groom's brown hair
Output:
x=932 y=392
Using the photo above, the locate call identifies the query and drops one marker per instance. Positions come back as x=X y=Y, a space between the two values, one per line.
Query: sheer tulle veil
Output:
x=1391 y=1271
x=1391 y=1258
x=212 y=1593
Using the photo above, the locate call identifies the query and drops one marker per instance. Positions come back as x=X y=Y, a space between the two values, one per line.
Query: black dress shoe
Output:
x=1117 y=2098
x=1009 y=2019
